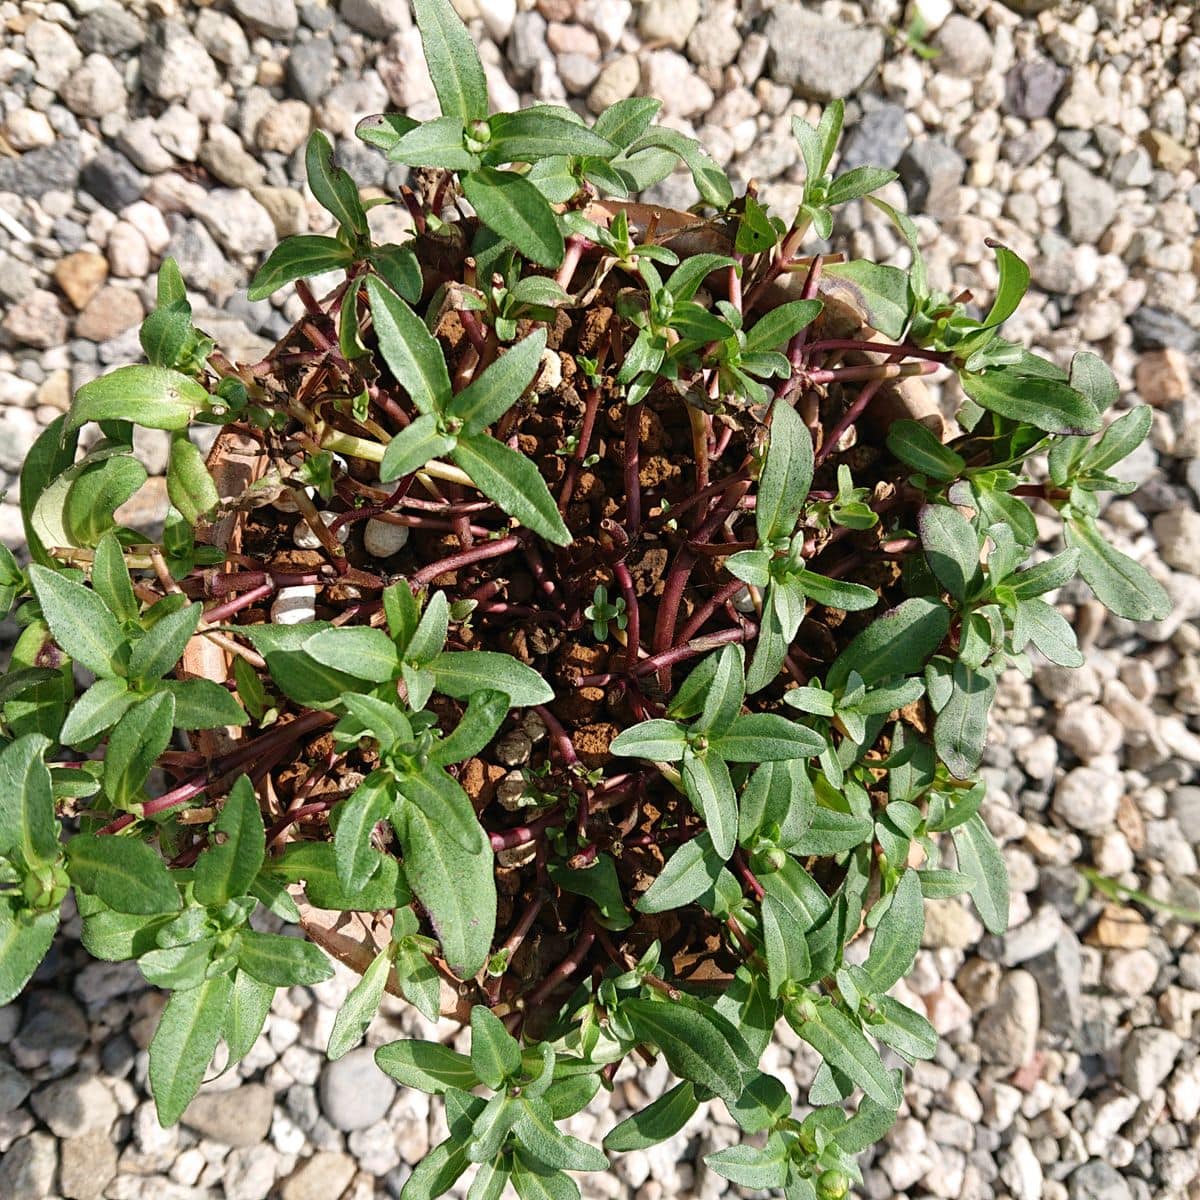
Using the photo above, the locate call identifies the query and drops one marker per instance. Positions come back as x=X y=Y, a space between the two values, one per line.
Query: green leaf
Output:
x=162 y=645
x=245 y=1015
x=237 y=846
x=514 y=483
x=111 y=581
x=457 y=889
x=777 y=328
x=414 y=446
x=203 y=704
x=1011 y=288
x=165 y=332
x=710 y=789
x=189 y=485
x=941 y=885
x=624 y=122
x=427 y=1066
x=462 y=673
x=490 y=395
x=762 y=1105
x=599 y=883
x=383 y=129
x=1120 y=439
x=690 y=872
x=400 y=270
x=751 y=1166
x=419 y=982
x=694 y=1047
x=281 y=961
x=534 y=134
x=898 y=934
x=711 y=182
x=831 y=831
x=127 y=875
x=1046 y=403
x=24 y=940
x=1051 y=632
x=153 y=397
x=486 y=711
x=95 y=494
x=446 y=806
x=513 y=207
x=661 y=1119
x=492 y=1127
x=686 y=279
x=787 y=952
x=453 y=62
x=314 y=863
x=356 y=816
x=533 y=1181
x=134 y=745
x=836 y=593
x=907 y=1032
x=960 y=730
x=723 y=703
x=979 y=857
x=81 y=624
x=840 y=1042
x=437 y=143
x=411 y=352
x=537 y=1133
x=333 y=188
x=786 y=477
x=868 y=1125
x=184 y=1042
x=882 y=291
x=1045 y=577
x=359 y=1007
x=897 y=643
x=951 y=548
x=298 y=257
x=27 y=823
x=490 y=1180
x=766 y=737
x=495 y=1054
x=1092 y=376
x=51 y=455
x=97 y=710
x=920 y=449
x=362 y=651
x=1121 y=585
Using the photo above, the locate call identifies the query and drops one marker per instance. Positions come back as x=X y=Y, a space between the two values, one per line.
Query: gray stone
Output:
x=1031 y=88
x=821 y=59
x=1177 y=532
x=1057 y=972
x=932 y=173
x=1184 y=805
x=1147 y=1058
x=28 y=1167
x=174 y=63
x=75 y=1105
x=51 y=168
x=14 y=1087
x=37 y=320
x=309 y=69
x=238 y=221
x=527 y=42
x=222 y=37
x=53 y=1023
x=1096 y=1180
x=354 y=1092
x=237 y=1117
x=139 y=142
x=88 y=1165
x=1090 y=202
x=877 y=139
x=109 y=30
x=272 y=18
x=1159 y=329
x=224 y=155
x=112 y=179
x=966 y=48
x=1006 y=1033
x=1032 y=938
x=200 y=258
x=377 y=18
x=53 y=50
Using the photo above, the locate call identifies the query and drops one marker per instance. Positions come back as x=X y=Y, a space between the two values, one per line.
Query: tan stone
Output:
x=325 y=1176
x=55 y=390
x=37 y=320
x=1120 y=927
x=110 y=312
x=81 y=275
x=1162 y=376
x=1166 y=151
x=285 y=207
x=87 y=1166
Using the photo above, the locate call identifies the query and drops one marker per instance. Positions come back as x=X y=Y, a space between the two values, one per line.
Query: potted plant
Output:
x=581 y=627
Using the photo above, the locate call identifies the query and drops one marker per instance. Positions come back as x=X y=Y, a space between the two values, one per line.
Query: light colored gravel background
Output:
x=1069 y=1063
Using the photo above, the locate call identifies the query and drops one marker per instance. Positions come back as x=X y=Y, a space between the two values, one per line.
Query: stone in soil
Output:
x=354 y=1092
x=112 y=179
x=824 y=60
x=1006 y=1033
x=237 y=1117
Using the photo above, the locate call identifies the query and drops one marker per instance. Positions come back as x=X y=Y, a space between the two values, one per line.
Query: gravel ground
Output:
x=1069 y=1064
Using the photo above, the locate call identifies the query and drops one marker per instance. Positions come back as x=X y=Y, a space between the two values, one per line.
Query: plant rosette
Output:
x=584 y=626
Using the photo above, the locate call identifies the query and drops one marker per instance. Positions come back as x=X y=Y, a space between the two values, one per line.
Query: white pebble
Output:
x=383 y=539
x=743 y=602
x=295 y=605
x=284 y=502
x=305 y=539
